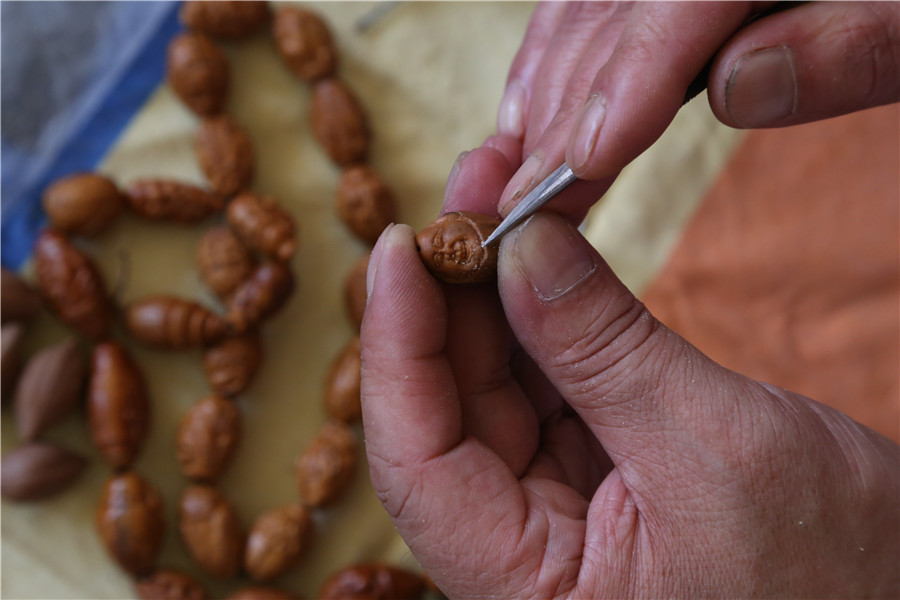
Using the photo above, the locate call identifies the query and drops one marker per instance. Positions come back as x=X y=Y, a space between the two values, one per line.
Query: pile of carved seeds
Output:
x=245 y=262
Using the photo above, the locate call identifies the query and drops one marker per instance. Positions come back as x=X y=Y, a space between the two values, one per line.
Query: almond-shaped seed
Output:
x=261 y=296
x=365 y=203
x=118 y=409
x=304 y=43
x=223 y=260
x=276 y=541
x=355 y=292
x=211 y=531
x=208 y=436
x=373 y=581
x=199 y=73
x=339 y=123
x=231 y=20
x=72 y=285
x=342 y=387
x=82 y=204
x=450 y=247
x=130 y=522
x=261 y=593
x=12 y=337
x=18 y=300
x=171 y=201
x=231 y=364
x=226 y=155
x=38 y=470
x=50 y=388
x=170 y=322
x=263 y=225
x=326 y=467
x=169 y=584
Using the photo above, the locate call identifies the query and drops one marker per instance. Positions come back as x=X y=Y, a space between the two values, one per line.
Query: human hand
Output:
x=594 y=84
x=576 y=447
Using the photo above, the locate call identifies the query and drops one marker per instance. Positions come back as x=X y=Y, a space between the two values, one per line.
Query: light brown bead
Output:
x=263 y=225
x=208 y=436
x=169 y=584
x=82 y=203
x=223 y=260
x=72 y=285
x=226 y=155
x=198 y=72
x=304 y=43
x=171 y=201
x=339 y=123
x=231 y=363
x=364 y=202
x=130 y=522
x=170 y=322
x=326 y=467
x=277 y=541
x=38 y=470
x=231 y=20
x=450 y=247
x=342 y=387
x=371 y=581
x=261 y=296
x=118 y=408
x=211 y=531
x=259 y=593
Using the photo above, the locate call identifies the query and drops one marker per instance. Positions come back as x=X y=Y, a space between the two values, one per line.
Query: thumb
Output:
x=639 y=387
x=815 y=61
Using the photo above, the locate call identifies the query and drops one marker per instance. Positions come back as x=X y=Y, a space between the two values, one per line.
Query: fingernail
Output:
x=762 y=88
x=587 y=131
x=523 y=180
x=512 y=107
x=454 y=173
x=552 y=256
x=374 y=259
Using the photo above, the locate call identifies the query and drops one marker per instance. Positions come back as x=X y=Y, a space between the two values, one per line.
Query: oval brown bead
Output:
x=72 y=285
x=223 y=260
x=208 y=436
x=304 y=43
x=373 y=581
x=170 y=322
x=364 y=202
x=339 y=123
x=82 y=203
x=211 y=531
x=232 y=20
x=226 y=155
x=38 y=470
x=342 y=387
x=450 y=247
x=326 y=467
x=12 y=337
x=171 y=201
x=261 y=296
x=263 y=225
x=50 y=388
x=259 y=593
x=118 y=409
x=18 y=300
x=169 y=584
x=130 y=522
x=198 y=72
x=276 y=541
x=231 y=364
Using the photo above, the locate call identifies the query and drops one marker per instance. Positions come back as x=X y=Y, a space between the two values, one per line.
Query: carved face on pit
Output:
x=450 y=247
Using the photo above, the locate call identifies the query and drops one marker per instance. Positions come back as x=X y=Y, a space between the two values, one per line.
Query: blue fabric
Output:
x=72 y=75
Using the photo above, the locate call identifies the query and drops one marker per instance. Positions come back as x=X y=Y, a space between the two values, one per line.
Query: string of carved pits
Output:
x=246 y=263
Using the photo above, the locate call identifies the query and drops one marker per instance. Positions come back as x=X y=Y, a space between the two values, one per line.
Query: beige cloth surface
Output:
x=430 y=76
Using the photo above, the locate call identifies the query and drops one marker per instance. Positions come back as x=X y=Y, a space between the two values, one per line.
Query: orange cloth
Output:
x=789 y=271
